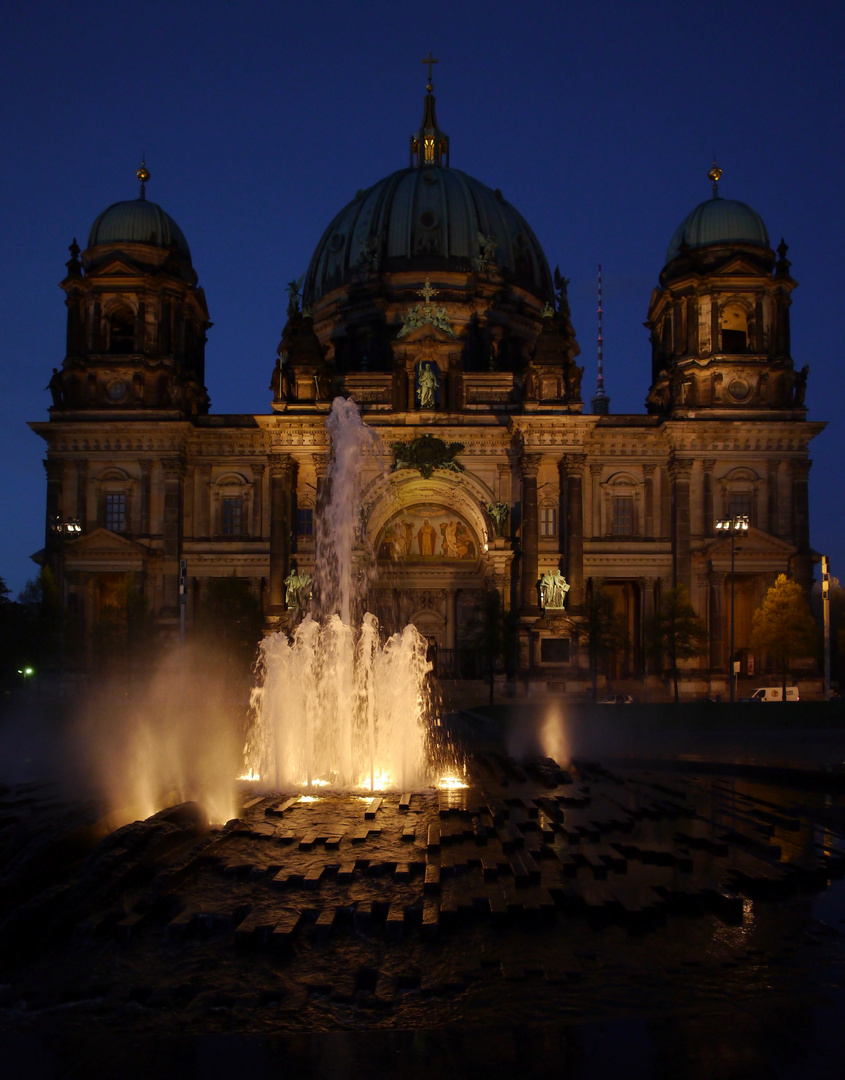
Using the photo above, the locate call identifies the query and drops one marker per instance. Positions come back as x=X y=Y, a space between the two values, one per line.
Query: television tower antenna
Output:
x=601 y=402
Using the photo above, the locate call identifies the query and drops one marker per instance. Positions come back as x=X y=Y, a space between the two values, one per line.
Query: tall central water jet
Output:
x=336 y=706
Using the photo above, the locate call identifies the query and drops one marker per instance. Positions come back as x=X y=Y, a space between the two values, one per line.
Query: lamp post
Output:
x=826 y=613
x=61 y=529
x=736 y=524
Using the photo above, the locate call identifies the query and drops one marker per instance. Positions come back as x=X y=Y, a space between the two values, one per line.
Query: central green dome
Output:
x=430 y=219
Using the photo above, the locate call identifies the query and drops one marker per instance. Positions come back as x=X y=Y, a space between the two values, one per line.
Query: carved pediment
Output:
x=752 y=544
x=101 y=543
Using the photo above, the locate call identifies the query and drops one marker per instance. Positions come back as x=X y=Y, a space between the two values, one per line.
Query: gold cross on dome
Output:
x=430 y=60
x=426 y=292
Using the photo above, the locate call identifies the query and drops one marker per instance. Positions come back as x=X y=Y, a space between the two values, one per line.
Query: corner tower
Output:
x=719 y=320
x=136 y=319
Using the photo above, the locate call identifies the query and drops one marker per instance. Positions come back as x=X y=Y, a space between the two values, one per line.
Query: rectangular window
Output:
x=116 y=513
x=548 y=521
x=554 y=650
x=622 y=515
x=233 y=515
x=305 y=521
x=739 y=504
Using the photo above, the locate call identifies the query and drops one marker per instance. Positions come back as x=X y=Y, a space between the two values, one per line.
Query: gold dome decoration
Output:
x=143 y=174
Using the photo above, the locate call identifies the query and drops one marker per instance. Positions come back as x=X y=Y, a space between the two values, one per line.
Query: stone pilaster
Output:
x=146 y=496
x=717 y=618
x=572 y=466
x=708 y=522
x=202 y=528
x=648 y=510
x=504 y=471
x=801 y=523
x=679 y=476
x=596 y=471
x=173 y=469
x=55 y=475
x=258 y=470
x=773 y=498
x=281 y=469
x=81 y=465
x=530 y=466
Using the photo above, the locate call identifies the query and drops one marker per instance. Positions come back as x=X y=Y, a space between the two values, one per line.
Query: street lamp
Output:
x=62 y=528
x=733 y=525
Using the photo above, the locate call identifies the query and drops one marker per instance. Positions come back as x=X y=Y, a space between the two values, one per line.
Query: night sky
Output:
x=259 y=121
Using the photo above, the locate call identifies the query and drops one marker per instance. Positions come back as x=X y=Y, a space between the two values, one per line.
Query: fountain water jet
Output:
x=337 y=705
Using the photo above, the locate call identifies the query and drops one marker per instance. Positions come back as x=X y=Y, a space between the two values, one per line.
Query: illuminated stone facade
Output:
x=430 y=302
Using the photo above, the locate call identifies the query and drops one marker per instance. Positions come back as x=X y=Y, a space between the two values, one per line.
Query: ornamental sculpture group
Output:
x=297 y=590
x=553 y=590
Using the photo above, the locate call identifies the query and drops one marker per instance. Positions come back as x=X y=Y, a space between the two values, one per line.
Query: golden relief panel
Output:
x=426 y=532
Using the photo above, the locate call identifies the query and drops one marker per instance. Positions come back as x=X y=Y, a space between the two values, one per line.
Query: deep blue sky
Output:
x=261 y=120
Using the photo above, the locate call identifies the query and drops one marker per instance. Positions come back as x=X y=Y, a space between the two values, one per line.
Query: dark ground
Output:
x=635 y=921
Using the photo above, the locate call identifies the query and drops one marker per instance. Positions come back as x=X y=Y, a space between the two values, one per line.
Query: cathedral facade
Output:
x=430 y=303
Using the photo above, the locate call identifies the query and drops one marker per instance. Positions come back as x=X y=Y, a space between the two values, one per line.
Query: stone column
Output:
x=258 y=500
x=648 y=484
x=773 y=507
x=174 y=479
x=280 y=473
x=146 y=497
x=708 y=525
x=530 y=465
x=595 y=490
x=82 y=491
x=715 y=330
x=679 y=474
x=574 y=470
x=801 y=523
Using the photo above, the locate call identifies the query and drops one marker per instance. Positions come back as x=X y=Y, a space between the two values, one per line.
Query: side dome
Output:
x=718 y=222
x=430 y=219
x=138 y=221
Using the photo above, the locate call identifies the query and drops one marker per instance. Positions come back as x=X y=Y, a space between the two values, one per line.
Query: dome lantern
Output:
x=429 y=145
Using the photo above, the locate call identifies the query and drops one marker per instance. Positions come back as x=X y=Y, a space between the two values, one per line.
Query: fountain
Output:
x=337 y=707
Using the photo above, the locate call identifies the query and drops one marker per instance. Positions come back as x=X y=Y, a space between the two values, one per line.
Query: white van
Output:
x=773 y=693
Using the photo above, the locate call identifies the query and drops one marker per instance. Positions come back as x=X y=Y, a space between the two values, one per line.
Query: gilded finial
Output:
x=143 y=174
x=715 y=175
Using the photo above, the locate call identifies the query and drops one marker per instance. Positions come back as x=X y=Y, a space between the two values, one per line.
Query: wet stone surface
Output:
x=535 y=896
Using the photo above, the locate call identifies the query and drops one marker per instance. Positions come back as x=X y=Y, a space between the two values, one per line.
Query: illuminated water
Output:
x=336 y=705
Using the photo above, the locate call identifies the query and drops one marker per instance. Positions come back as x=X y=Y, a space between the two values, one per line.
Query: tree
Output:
x=230 y=617
x=676 y=632
x=492 y=632
x=605 y=632
x=784 y=627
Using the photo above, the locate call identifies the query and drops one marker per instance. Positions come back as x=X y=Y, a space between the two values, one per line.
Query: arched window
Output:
x=622 y=505
x=548 y=520
x=114 y=489
x=231 y=493
x=734 y=323
x=122 y=331
x=739 y=494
